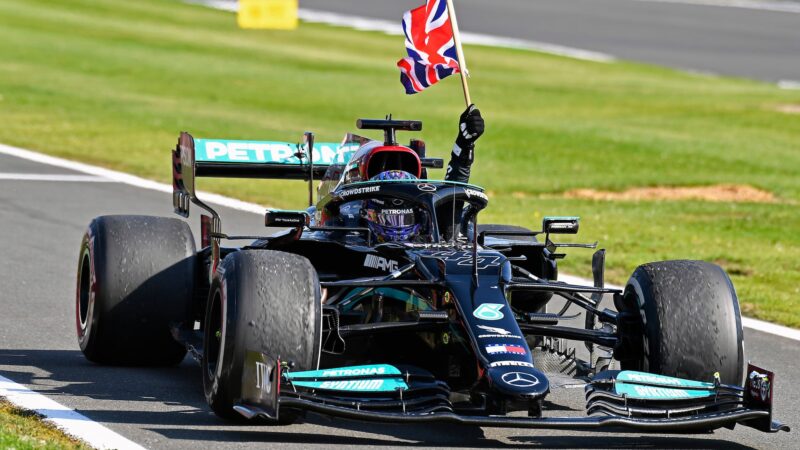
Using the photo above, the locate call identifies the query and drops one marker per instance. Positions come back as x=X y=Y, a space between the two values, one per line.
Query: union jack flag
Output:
x=430 y=46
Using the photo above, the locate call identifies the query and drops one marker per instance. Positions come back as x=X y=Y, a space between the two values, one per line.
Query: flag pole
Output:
x=462 y=62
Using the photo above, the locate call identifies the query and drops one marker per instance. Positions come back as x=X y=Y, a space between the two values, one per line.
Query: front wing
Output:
x=410 y=395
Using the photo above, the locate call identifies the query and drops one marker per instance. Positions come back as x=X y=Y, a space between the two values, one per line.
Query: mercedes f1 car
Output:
x=458 y=322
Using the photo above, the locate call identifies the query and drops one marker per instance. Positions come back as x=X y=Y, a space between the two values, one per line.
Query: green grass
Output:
x=22 y=430
x=112 y=83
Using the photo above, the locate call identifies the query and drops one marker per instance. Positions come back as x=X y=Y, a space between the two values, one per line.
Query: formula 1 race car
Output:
x=452 y=321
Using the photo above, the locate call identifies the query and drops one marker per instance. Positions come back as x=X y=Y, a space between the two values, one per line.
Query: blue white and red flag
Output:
x=430 y=46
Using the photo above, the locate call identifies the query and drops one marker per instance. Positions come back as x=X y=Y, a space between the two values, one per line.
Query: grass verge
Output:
x=22 y=430
x=112 y=83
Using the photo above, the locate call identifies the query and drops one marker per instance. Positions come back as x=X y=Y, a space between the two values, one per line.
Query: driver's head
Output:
x=391 y=220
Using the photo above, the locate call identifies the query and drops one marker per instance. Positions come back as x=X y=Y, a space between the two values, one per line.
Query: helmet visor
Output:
x=399 y=217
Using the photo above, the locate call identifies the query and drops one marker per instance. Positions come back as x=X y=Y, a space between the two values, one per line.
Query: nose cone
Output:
x=519 y=381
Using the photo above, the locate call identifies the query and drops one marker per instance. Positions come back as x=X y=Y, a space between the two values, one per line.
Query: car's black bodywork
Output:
x=445 y=328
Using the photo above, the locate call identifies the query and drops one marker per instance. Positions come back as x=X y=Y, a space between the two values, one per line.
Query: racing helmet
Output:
x=391 y=220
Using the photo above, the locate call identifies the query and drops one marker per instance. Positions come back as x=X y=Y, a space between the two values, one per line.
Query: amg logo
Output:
x=379 y=262
x=263 y=375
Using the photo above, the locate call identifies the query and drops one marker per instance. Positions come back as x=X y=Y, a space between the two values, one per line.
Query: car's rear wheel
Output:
x=135 y=279
x=690 y=324
x=265 y=301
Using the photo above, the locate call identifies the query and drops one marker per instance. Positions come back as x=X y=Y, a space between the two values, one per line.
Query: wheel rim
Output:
x=83 y=299
x=214 y=332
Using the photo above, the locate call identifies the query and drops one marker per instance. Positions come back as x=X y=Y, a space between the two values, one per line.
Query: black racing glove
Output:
x=470 y=128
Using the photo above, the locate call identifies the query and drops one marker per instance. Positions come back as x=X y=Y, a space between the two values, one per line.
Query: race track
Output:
x=42 y=224
x=750 y=43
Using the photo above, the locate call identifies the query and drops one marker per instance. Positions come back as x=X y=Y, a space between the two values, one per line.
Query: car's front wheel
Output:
x=689 y=323
x=264 y=301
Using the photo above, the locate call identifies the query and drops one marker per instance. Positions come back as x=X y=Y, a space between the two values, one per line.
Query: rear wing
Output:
x=248 y=159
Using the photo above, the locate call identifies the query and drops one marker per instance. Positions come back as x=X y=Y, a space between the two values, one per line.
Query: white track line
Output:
x=125 y=178
x=789 y=84
x=393 y=28
x=789 y=333
x=51 y=177
x=775 y=6
x=66 y=419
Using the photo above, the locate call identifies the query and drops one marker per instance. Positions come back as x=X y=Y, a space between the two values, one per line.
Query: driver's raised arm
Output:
x=470 y=128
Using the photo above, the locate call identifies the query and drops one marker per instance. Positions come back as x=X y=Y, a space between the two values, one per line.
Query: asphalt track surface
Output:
x=739 y=42
x=42 y=225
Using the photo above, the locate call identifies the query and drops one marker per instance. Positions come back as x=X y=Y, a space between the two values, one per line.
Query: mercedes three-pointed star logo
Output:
x=520 y=379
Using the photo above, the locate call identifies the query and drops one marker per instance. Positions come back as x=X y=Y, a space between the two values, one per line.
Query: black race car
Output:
x=418 y=314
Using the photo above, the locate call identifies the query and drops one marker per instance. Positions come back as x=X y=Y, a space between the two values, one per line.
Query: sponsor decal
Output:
x=359 y=190
x=520 y=379
x=759 y=385
x=426 y=187
x=659 y=392
x=263 y=377
x=496 y=333
x=510 y=363
x=222 y=150
x=311 y=379
x=473 y=193
x=494 y=330
x=663 y=380
x=353 y=385
x=652 y=378
x=489 y=311
x=379 y=262
x=487 y=336
x=377 y=385
x=354 y=371
x=651 y=386
x=495 y=349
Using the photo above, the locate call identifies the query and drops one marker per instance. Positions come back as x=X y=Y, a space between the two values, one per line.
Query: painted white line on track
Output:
x=51 y=177
x=125 y=178
x=766 y=327
x=66 y=419
x=759 y=5
x=393 y=28
x=789 y=84
x=771 y=328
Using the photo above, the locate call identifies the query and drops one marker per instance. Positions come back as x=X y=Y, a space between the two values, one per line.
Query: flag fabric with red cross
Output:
x=430 y=46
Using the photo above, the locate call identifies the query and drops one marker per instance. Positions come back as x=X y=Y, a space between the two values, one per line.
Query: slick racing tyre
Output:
x=135 y=279
x=265 y=301
x=689 y=321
